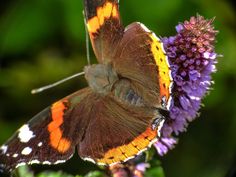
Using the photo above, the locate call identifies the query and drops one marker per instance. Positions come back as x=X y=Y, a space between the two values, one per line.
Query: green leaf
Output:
x=95 y=174
x=155 y=172
x=53 y=174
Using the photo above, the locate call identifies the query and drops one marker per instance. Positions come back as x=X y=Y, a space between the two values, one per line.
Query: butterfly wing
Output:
x=140 y=57
x=104 y=27
x=135 y=51
x=46 y=139
x=104 y=130
x=116 y=131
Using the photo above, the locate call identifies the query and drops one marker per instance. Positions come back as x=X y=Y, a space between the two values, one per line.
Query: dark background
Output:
x=43 y=41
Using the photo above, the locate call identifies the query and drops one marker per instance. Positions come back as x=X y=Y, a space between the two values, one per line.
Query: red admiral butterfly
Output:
x=118 y=116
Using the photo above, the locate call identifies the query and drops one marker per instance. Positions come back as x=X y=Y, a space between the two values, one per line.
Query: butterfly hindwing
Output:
x=48 y=138
x=116 y=131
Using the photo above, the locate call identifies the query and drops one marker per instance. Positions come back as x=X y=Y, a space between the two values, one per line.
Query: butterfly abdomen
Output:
x=123 y=92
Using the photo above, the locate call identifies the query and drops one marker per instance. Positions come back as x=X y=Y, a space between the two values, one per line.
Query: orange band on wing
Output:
x=56 y=140
x=57 y=112
x=93 y=25
x=64 y=145
x=127 y=151
x=165 y=79
x=104 y=12
x=55 y=137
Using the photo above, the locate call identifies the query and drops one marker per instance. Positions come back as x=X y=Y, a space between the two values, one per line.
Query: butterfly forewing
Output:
x=48 y=138
x=104 y=27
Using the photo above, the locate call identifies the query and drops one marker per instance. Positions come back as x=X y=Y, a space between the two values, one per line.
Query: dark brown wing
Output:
x=105 y=131
x=48 y=138
x=135 y=51
x=116 y=131
x=104 y=27
x=140 y=57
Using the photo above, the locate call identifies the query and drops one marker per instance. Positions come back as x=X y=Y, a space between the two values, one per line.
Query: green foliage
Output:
x=95 y=174
x=24 y=171
x=155 y=172
x=156 y=169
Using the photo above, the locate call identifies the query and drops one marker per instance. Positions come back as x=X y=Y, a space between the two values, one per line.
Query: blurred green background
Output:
x=43 y=41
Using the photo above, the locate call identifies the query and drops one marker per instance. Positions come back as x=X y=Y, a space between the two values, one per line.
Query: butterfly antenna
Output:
x=87 y=40
x=38 y=90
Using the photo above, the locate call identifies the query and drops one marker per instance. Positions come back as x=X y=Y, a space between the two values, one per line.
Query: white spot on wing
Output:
x=20 y=164
x=152 y=142
x=46 y=163
x=15 y=155
x=40 y=144
x=34 y=162
x=4 y=149
x=89 y=159
x=104 y=164
x=170 y=99
x=159 y=127
x=26 y=151
x=25 y=134
x=59 y=161
x=144 y=27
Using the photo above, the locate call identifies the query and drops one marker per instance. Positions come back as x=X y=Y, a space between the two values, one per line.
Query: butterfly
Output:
x=121 y=112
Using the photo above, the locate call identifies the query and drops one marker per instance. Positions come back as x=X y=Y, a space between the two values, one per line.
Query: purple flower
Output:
x=120 y=170
x=164 y=145
x=142 y=166
x=129 y=169
x=192 y=59
x=140 y=169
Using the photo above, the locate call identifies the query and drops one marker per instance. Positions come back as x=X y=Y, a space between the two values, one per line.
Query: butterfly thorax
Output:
x=103 y=79
x=100 y=78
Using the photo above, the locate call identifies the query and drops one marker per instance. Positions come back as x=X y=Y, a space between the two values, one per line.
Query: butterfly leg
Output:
x=156 y=122
x=162 y=115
